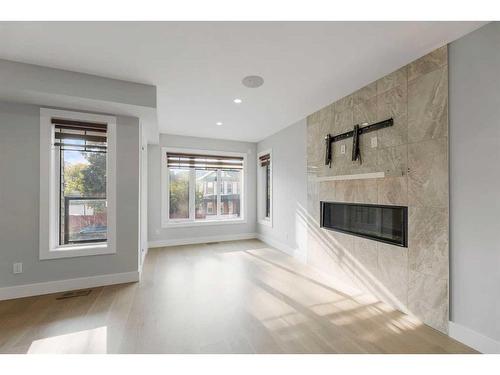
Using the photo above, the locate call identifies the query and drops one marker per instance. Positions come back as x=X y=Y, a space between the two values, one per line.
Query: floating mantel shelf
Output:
x=360 y=176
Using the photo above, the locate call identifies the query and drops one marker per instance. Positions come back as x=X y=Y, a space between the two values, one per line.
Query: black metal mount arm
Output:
x=329 y=139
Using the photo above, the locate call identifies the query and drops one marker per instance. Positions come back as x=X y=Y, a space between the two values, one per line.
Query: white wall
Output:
x=474 y=63
x=19 y=203
x=159 y=236
x=289 y=187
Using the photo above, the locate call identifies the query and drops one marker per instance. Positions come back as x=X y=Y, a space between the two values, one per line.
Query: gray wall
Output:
x=40 y=85
x=156 y=233
x=19 y=202
x=475 y=180
x=289 y=188
x=16 y=77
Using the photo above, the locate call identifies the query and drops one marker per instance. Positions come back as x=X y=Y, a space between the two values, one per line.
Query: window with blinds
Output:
x=80 y=136
x=204 y=187
x=265 y=160
x=265 y=163
x=81 y=149
x=206 y=162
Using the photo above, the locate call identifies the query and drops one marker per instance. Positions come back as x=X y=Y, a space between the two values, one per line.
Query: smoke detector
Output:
x=252 y=81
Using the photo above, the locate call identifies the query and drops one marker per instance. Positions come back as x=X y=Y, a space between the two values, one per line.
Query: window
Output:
x=202 y=188
x=264 y=178
x=80 y=154
x=76 y=184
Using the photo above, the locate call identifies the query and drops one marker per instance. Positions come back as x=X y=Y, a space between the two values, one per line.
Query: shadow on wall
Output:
x=346 y=266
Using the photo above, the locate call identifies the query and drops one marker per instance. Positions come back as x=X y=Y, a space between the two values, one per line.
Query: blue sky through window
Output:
x=74 y=157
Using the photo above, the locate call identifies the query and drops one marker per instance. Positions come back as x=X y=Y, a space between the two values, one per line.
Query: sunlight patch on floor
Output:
x=90 y=341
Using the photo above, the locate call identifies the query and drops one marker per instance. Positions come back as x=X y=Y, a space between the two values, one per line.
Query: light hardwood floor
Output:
x=231 y=297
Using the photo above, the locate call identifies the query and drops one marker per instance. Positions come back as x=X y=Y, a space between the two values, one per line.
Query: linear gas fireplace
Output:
x=387 y=224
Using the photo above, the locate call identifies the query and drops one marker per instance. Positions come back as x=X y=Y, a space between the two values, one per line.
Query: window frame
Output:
x=192 y=222
x=261 y=190
x=49 y=247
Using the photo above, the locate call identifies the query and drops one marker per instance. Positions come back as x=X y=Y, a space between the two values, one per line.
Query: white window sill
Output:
x=266 y=221
x=191 y=223
x=78 y=251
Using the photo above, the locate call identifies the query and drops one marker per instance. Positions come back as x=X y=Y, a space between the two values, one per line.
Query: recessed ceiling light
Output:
x=237 y=101
x=218 y=123
x=252 y=82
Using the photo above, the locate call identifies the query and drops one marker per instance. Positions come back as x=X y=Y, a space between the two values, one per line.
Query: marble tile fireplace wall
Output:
x=413 y=154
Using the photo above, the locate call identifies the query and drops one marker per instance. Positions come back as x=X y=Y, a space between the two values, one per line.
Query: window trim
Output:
x=261 y=194
x=166 y=222
x=49 y=247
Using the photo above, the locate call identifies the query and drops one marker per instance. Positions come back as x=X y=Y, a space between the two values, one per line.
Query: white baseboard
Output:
x=58 y=286
x=206 y=239
x=473 y=339
x=294 y=252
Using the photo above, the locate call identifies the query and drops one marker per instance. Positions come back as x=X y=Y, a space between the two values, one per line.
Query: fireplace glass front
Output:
x=387 y=224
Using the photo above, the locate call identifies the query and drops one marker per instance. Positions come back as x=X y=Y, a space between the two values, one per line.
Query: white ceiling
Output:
x=198 y=66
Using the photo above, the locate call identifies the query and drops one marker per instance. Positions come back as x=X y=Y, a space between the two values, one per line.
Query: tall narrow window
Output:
x=77 y=184
x=268 y=190
x=81 y=158
x=210 y=189
x=265 y=187
x=265 y=162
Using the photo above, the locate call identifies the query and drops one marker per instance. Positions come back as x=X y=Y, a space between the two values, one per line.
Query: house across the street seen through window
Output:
x=204 y=188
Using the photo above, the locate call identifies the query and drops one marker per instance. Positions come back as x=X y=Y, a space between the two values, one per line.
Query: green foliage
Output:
x=87 y=179
x=94 y=176
x=179 y=196
x=73 y=179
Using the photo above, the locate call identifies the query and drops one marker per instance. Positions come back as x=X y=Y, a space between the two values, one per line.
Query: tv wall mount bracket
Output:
x=355 y=133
